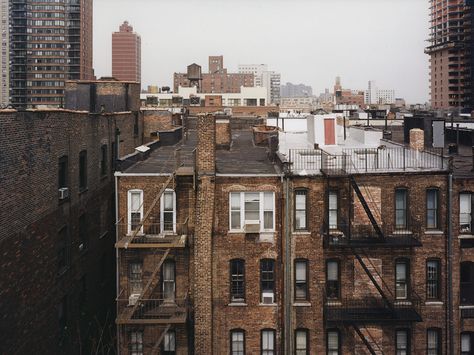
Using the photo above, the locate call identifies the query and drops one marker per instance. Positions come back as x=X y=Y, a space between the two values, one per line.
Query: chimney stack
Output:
x=417 y=139
x=223 y=132
x=206 y=145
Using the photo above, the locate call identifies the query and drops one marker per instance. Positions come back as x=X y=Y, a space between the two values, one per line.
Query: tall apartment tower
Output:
x=4 y=53
x=450 y=54
x=126 y=54
x=49 y=44
x=216 y=64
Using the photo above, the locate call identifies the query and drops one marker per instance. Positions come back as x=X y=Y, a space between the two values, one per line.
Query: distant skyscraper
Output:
x=4 y=54
x=126 y=54
x=451 y=54
x=376 y=96
x=49 y=44
x=264 y=78
x=292 y=90
x=216 y=64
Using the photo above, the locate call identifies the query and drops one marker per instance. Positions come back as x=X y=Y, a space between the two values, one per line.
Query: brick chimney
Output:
x=223 y=133
x=206 y=145
x=417 y=139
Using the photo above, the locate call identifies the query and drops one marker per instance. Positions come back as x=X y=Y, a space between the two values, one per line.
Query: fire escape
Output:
x=153 y=309
x=382 y=308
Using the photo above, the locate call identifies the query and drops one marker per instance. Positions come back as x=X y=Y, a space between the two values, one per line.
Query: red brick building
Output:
x=126 y=54
x=229 y=248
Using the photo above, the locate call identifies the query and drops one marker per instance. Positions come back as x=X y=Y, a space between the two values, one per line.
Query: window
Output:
x=83 y=170
x=169 y=343
x=433 y=279
x=467 y=283
x=237 y=281
x=333 y=288
x=135 y=209
x=237 y=342
x=433 y=342
x=301 y=280
x=103 y=160
x=267 y=278
x=332 y=342
x=401 y=208
x=82 y=232
x=169 y=284
x=300 y=210
x=136 y=342
x=135 y=278
x=252 y=207
x=467 y=343
x=301 y=342
x=168 y=211
x=63 y=172
x=62 y=315
x=465 y=216
x=268 y=342
x=333 y=209
x=62 y=254
x=402 y=344
x=401 y=279
x=432 y=209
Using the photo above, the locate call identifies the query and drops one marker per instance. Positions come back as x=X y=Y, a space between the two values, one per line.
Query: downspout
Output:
x=287 y=292
x=450 y=325
x=117 y=290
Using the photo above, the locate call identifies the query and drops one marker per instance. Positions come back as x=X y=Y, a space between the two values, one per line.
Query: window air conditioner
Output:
x=252 y=227
x=132 y=300
x=63 y=193
x=268 y=298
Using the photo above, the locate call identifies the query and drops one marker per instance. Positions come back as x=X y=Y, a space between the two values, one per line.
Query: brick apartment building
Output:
x=230 y=245
x=218 y=80
x=57 y=217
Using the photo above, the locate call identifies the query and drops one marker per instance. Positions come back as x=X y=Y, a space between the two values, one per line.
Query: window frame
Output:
x=306 y=349
x=132 y=280
x=240 y=262
x=231 y=333
x=303 y=192
x=273 y=280
x=273 y=334
x=132 y=344
x=438 y=279
x=63 y=161
x=406 y=262
x=470 y=336
x=129 y=209
x=162 y=212
x=405 y=209
x=335 y=193
x=408 y=341
x=83 y=230
x=467 y=230
x=103 y=160
x=305 y=283
x=169 y=333
x=82 y=170
x=241 y=210
x=436 y=209
x=438 y=341
x=339 y=341
x=172 y=264
x=338 y=263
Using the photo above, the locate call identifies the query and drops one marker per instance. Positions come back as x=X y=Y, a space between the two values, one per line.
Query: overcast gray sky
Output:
x=307 y=41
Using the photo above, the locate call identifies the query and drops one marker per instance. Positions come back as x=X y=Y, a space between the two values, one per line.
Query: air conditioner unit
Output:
x=132 y=300
x=268 y=298
x=63 y=193
x=252 y=227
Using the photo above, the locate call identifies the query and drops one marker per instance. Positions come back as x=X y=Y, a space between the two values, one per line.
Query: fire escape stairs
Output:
x=366 y=342
x=156 y=346
x=366 y=207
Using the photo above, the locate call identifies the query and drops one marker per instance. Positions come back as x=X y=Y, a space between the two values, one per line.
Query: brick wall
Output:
x=32 y=216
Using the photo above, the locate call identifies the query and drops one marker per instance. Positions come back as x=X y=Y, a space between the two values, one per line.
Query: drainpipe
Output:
x=449 y=248
x=117 y=289
x=287 y=263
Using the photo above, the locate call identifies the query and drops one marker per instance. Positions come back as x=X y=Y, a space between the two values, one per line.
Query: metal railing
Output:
x=367 y=160
x=160 y=309
x=155 y=233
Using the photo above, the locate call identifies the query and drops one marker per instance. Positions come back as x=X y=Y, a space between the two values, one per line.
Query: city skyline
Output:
x=392 y=55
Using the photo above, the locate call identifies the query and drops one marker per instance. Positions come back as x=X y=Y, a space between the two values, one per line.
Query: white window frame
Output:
x=261 y=210
x=129 y=209
x=162 y=212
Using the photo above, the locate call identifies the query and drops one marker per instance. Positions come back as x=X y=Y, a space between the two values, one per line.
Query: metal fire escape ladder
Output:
x=154 y=350
x=373 y=280
x=362 y=200
x=364 y=340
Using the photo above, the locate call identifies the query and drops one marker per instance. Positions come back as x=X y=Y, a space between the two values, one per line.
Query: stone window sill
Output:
x=302 y=232
x=267 y=304
x=434 y=303
x=302 y=304
x=466 y=236
x=434 y=232
x=237 y=304
x=402 y=232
